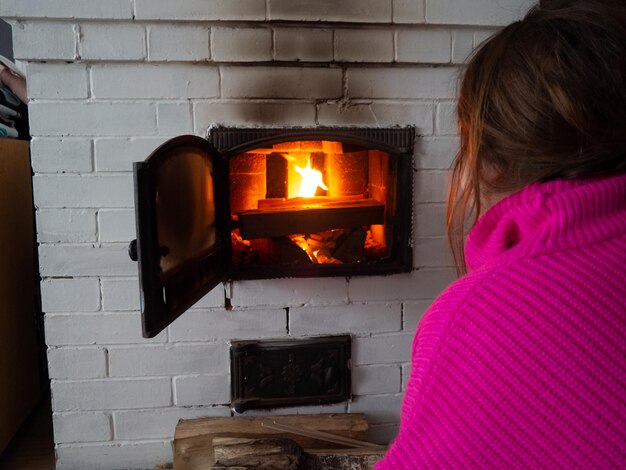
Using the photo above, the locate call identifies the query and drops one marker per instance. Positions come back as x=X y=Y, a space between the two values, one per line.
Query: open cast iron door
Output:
x=183 y=243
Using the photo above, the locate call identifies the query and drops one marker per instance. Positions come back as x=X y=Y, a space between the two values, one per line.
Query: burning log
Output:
x=280 y=251
x=276 y=222
x=351 y=248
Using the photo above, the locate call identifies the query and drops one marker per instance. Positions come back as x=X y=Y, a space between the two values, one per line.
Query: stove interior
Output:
x=318 y=202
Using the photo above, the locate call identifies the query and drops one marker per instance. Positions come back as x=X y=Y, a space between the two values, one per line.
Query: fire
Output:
x=311 y=180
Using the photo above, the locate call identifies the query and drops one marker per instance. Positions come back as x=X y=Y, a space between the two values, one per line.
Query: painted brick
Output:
x=406 y=375
x=111 y=394
x=202 y=390
x=481 y=36
x=382 y=349
x=81 y=427
x=109 y=328
x=57 y=81
x=402 y=82
x=101 y=118
x=159 y=424
x=378 y=114
x=374 y=380
x=119 y=154
x=433 y=281
x=70 y=295
x=241 y=44
x=364 y=45
x=111 y=9
x=113 y=456
x=202 y=325
x=112 y=42
x=425 y=46
x=432 y=252
x=66 y=226
x=412 y=313
x=446 y=119
x=116 y=225
x=213 y=299
x=436 y=153
x=408 y=11
x=289 y=292
x=301 y=44
x=74 y=363
x=476 y=12
x=61 y=155
x=83 y=191
x=200 y=10
x=430 y=220
x=168 y=360
x=281 y=82
x=417 y=285
x=120 y=294
x=380 y=409
x=174 y=118
x=462 y=45
x=261 y=113
x=382 y=434
x=336 y=114
x=179 y=43
x=85 y=260
x=155 y=81
x=44 y=41
x=353 y=318
x=416 y=114
x=431 y=186
x=367 y=11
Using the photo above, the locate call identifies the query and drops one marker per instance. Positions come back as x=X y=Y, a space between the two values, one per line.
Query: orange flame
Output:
x=311 y=180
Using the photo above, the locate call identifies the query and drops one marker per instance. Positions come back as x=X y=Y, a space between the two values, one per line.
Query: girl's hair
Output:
x=544 y=98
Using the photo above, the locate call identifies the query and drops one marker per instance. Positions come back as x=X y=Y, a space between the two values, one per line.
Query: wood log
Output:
x=295 y=202
x=285 y=454
x=193 y=440
x=274 y=454
x=350 y=249
x=310 y=219
x=276 y=176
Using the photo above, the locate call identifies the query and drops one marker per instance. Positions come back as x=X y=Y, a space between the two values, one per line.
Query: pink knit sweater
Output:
x=522 y=362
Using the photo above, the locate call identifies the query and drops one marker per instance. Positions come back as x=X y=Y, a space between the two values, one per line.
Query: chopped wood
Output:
x=351 y=249
x=323 y=436
x=310 y=219
x=280 y=251
x=285 y=454
x=283 y=203
x=276 y=454
x=276 y=176
x=193 y=440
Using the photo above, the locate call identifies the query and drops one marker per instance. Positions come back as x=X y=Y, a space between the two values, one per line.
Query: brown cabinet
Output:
x=19 y=376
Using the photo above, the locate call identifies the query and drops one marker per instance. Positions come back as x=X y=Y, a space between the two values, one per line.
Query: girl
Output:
x=521 y=363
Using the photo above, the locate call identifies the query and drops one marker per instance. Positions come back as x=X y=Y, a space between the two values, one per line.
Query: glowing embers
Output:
x=310 y=202
x=341 y=246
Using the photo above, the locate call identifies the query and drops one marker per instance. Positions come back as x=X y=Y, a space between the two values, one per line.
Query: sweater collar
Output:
x=551 y=216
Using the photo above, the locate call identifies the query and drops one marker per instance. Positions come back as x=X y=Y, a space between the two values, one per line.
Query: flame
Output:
x=311 y=180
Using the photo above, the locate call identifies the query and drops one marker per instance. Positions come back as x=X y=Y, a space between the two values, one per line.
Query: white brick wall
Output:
x=178 y=43
x=110 y=81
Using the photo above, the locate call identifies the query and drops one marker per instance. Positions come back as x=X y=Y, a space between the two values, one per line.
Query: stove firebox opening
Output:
x=303 y=203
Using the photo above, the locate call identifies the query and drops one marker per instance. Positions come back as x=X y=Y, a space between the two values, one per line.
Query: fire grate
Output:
x=273 y=373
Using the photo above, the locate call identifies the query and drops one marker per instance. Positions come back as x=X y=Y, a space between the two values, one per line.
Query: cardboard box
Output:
x=19 y=373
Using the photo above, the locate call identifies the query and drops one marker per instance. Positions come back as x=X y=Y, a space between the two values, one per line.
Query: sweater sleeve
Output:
x=416 y=444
